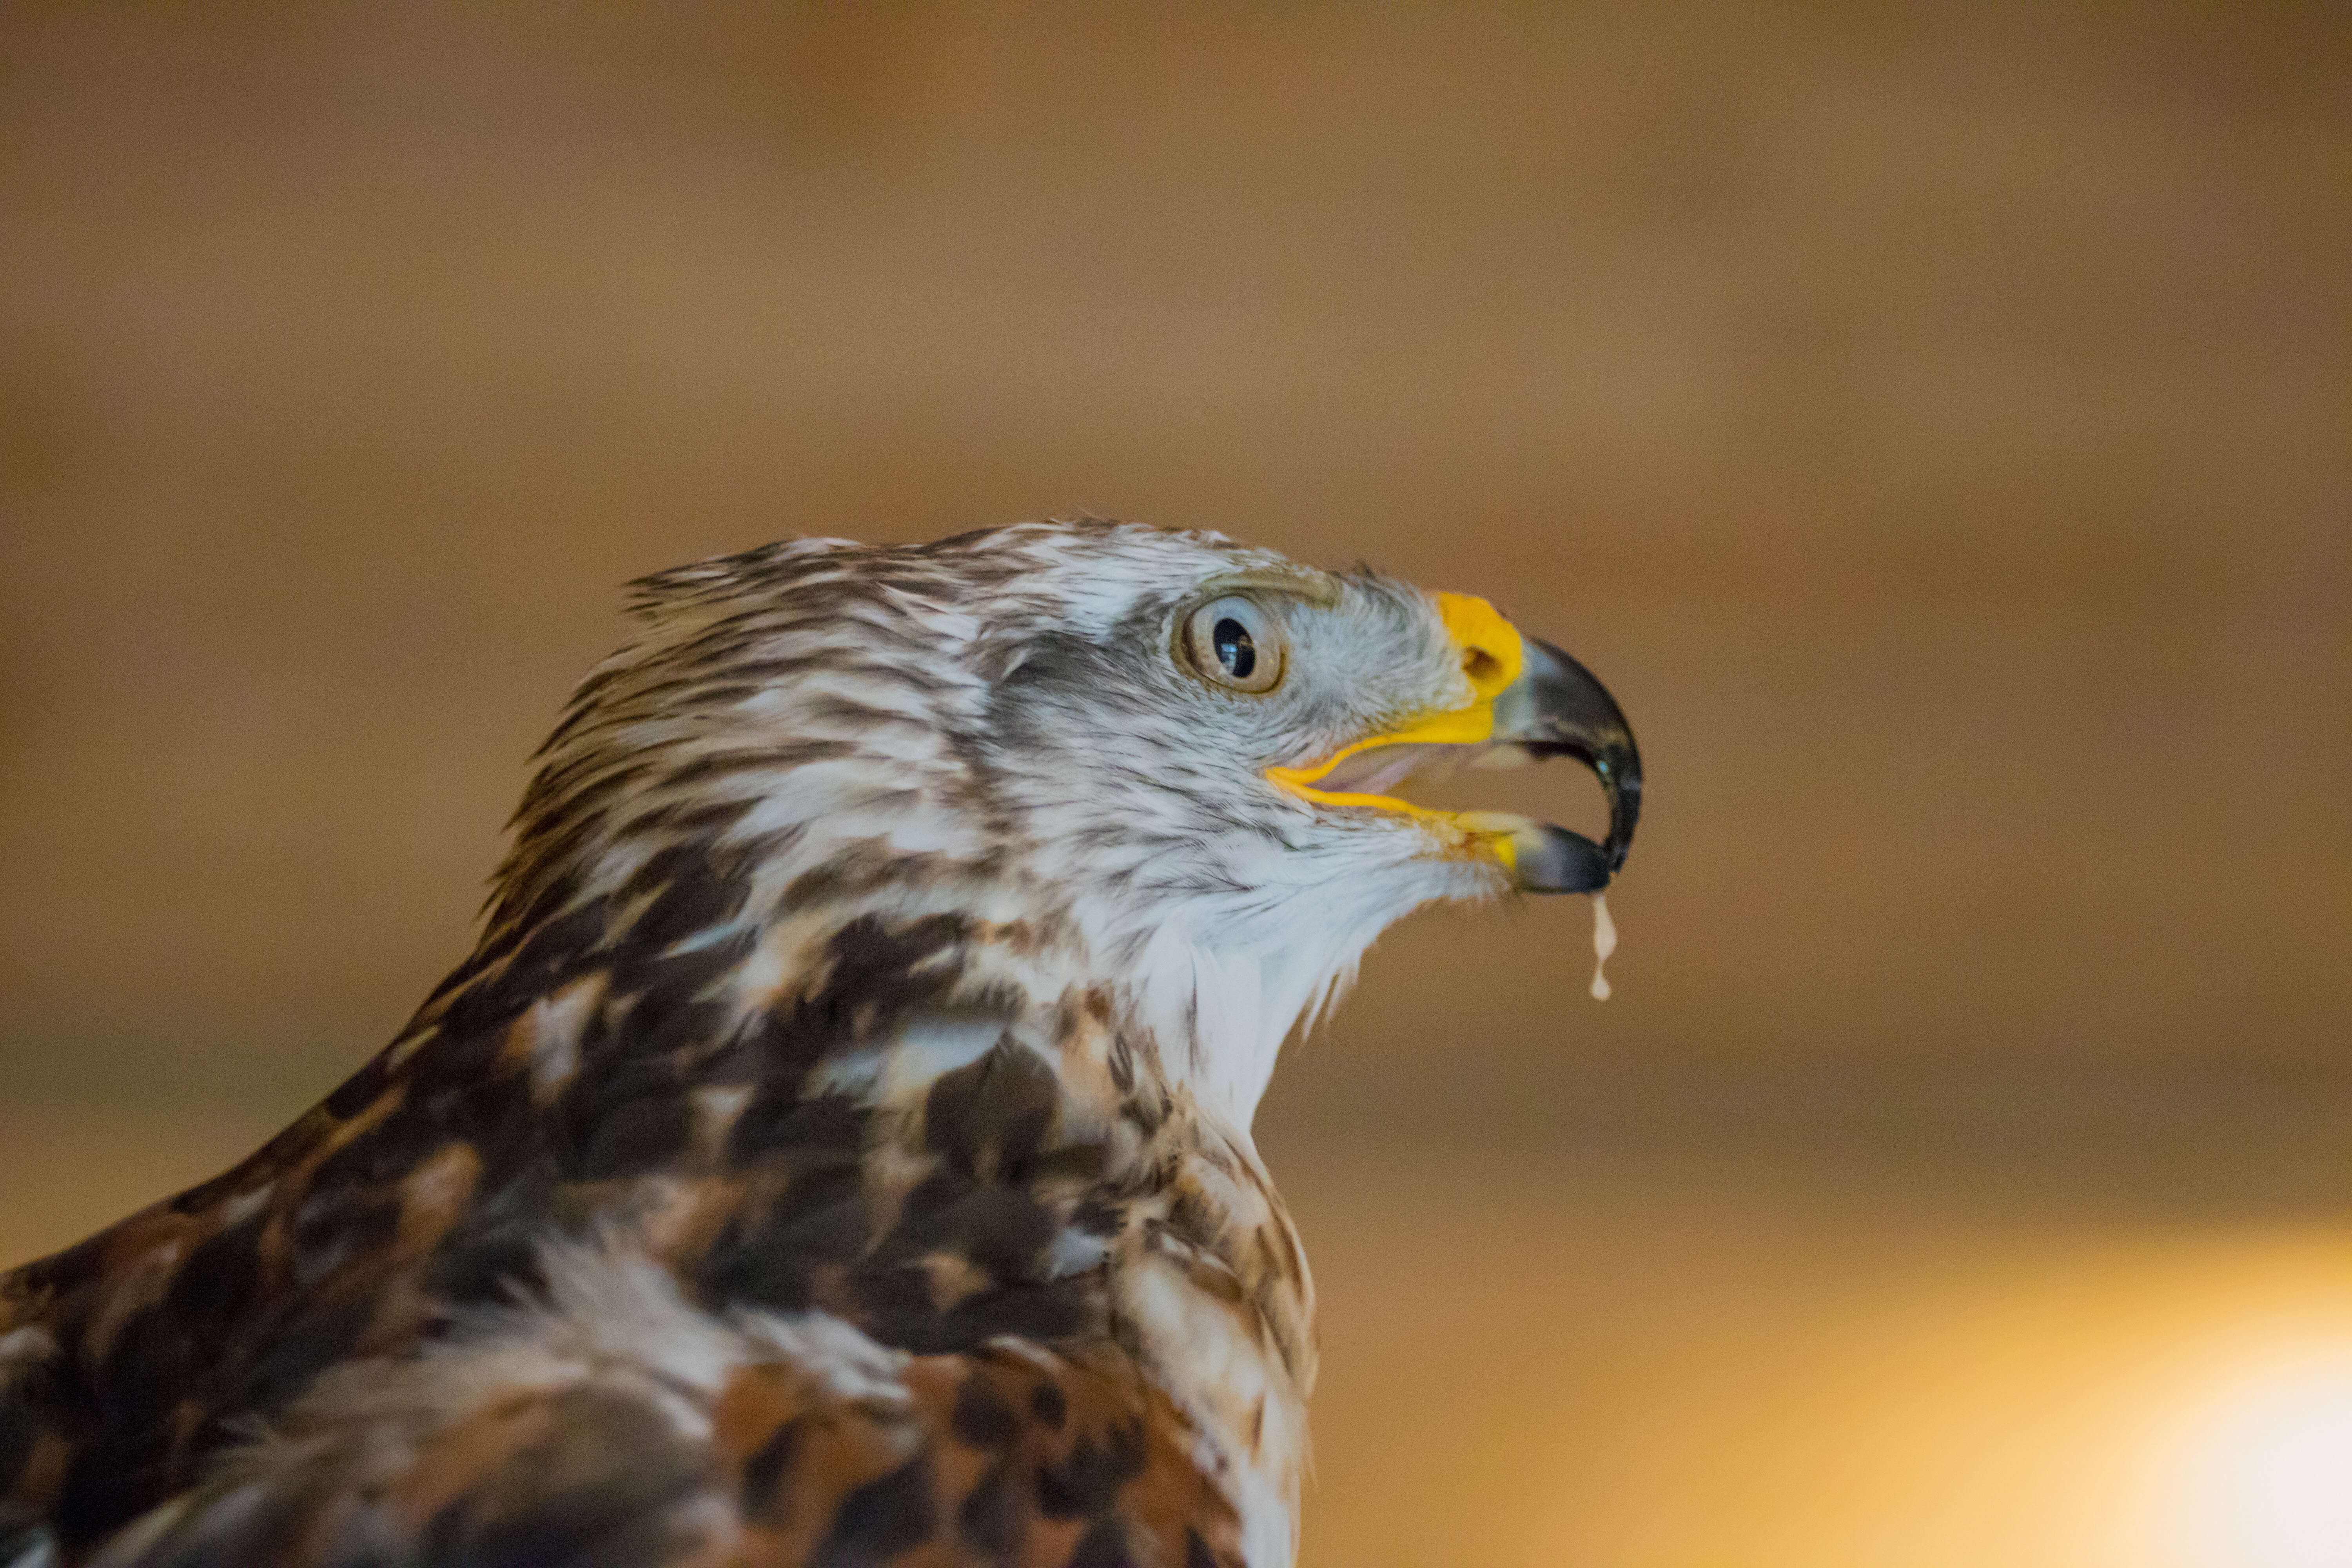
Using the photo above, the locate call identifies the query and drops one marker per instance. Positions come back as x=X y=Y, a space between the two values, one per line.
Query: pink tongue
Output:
x=1378 y=772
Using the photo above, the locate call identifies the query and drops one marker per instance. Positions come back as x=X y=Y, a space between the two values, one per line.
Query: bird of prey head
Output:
x=1177 y=749
x=836 y=1148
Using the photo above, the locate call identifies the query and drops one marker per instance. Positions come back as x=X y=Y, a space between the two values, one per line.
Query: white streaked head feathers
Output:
x=1001 y=726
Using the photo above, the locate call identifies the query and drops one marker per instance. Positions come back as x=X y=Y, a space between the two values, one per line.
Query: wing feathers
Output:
x=620 y=1427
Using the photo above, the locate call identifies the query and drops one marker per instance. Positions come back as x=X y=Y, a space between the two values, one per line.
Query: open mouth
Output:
x=1533 y=702
x=1382 y=769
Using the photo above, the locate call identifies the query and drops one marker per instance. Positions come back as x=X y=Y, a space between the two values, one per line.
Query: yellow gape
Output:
x=1492 y=654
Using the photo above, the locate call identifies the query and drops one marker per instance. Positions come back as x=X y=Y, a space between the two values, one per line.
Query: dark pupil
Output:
x=1234 y=649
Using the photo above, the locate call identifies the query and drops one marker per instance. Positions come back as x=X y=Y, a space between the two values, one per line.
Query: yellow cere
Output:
x=1492 y=654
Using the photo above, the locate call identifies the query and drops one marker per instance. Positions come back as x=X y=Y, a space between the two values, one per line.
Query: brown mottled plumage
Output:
x=836 y=1151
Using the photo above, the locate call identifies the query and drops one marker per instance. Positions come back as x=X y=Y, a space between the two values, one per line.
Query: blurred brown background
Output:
x=1935 y=425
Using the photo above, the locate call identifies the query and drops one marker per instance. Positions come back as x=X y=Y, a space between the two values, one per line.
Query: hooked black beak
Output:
x=1530 y=702
x=1555 y=709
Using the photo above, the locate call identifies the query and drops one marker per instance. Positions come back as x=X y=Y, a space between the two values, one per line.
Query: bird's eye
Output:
x=1233 y=642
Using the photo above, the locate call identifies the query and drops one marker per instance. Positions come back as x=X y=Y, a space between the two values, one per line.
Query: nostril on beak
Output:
x=1491 y=648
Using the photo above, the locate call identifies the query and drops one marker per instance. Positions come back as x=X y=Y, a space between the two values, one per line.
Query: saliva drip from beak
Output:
x=1604 y=943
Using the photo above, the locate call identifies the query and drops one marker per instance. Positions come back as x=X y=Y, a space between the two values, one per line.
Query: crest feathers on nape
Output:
x=717 y=577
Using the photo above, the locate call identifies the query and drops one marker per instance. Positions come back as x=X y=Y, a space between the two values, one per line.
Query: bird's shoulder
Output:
x=615 y=1422
x=873 y=1143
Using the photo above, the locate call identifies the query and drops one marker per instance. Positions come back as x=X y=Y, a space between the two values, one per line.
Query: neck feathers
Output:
x=1017 y=1147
